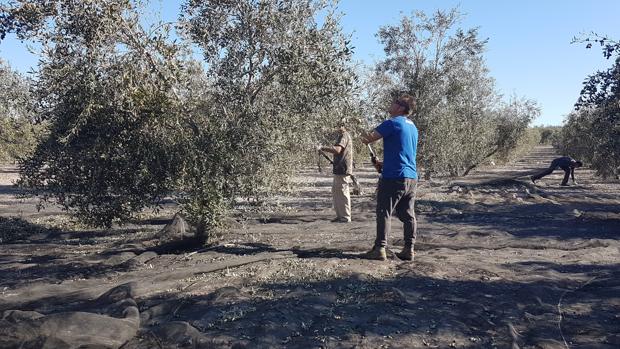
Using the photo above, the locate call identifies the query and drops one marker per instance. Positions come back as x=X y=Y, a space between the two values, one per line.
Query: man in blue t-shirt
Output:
x=397 y=186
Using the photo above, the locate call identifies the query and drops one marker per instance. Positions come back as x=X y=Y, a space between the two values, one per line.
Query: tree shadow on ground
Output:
x=324 y=253
x=22 y=231
x=44 y=257
x=10 y=190
x=176 y=244
x=18 y=230
x=548 y=220
x=243 y=249
x=407 y=311
x=290 y=219
x=53 y=270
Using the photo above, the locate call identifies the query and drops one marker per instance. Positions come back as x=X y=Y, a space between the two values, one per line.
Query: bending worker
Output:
x=566 y=163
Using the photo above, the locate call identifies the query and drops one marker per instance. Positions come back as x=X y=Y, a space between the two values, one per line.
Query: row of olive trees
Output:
x=461 y=117
x=547 y=134
x=133 y=117
x=18 y=131
x=592 y=131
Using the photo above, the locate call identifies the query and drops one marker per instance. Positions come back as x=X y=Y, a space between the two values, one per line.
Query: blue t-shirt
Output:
x=400 y=142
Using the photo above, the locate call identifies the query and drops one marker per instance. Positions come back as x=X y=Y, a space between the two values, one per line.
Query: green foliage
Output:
x=593 y=135
x=104 y=87
x=511 y=124
x=132 y=120
x=18 y=138
x=461 y=120
x=276 y=81
x=18 y=132
x=592 y=132
x=15 y=98
x=527 y=143
x=547 y=135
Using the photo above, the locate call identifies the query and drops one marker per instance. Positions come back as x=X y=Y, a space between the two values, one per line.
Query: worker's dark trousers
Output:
x=550 y=170
x=399 y=195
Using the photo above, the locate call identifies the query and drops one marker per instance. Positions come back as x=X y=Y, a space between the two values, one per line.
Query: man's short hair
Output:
x=407 y=102
x=578 y=163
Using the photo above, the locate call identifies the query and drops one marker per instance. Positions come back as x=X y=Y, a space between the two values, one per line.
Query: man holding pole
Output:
x=398 y=183
x=343 y=172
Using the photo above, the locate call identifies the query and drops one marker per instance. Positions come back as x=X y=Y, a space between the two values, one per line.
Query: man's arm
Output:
x=572 y=174
x=336 y=149
x=371 y=137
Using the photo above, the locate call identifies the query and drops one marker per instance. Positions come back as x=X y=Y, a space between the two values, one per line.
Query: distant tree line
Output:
x=132 y=116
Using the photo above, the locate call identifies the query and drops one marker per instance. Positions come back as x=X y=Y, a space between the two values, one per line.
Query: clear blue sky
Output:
x=528 y=53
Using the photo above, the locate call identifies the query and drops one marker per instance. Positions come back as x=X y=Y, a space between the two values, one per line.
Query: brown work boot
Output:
x=406 y=254
x=377 y=253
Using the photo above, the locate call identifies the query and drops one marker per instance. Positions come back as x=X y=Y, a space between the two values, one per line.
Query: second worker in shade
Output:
x=343 y=172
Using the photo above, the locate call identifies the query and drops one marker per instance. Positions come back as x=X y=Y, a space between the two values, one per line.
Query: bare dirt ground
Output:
x=500 y=263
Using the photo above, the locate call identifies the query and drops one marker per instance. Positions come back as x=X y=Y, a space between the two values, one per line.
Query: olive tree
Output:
x=107 y=88
x=134 y=118
x=461 y=119
x=592 y=132
x=277 y=80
